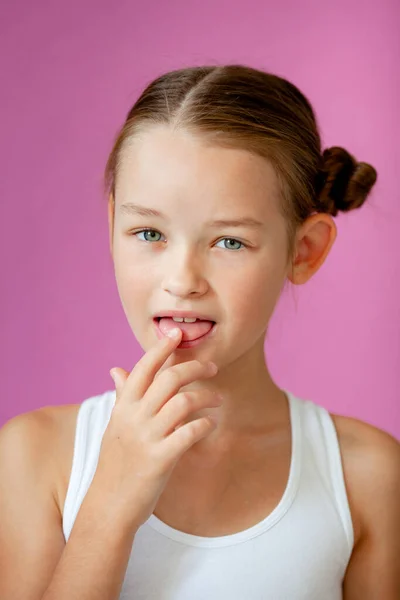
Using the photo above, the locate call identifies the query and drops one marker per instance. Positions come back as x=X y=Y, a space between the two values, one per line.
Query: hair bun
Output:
x=342 y=183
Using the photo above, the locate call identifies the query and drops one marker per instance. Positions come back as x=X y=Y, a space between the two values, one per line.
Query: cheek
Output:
x=131 y=270
x=134 y=284
x=254 y=293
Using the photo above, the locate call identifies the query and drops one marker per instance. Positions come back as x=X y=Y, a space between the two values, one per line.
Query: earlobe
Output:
x=314 y=240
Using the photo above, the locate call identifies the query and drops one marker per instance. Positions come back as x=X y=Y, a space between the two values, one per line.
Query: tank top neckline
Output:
x=270 y=520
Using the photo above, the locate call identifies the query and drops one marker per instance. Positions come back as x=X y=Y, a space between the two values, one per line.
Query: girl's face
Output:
x=234 y=274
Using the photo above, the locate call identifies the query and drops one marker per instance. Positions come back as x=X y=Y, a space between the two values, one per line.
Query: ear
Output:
x=314 y=239
x=111 y=212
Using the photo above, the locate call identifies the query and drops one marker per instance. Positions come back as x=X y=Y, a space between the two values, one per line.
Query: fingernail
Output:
x=112 y=374
x=173 y=333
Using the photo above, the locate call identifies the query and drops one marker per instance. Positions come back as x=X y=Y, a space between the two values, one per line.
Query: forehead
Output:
x=163 y=165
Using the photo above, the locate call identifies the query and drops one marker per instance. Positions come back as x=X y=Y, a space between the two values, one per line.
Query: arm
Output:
x=94 y=561
x=373 y=572
x=31 y=539
x=35 y=562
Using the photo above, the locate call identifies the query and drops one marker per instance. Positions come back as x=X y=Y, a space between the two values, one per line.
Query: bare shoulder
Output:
x=47 y=434
x=63 y=425
x=35 y=448
x=42 y=429
x=371 y=465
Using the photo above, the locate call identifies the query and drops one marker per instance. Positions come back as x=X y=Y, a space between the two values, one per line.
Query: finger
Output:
x=180 y=407
x=171 y=381
x=119 y=377
x=176 y=444
x=143 y=373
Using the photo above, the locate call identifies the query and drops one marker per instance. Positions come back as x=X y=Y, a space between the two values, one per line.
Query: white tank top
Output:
x=300 y=551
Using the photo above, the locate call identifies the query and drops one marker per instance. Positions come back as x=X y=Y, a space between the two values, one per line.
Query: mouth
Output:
x=192 y=333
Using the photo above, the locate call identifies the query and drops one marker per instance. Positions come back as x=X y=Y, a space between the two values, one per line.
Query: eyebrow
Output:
x=134 y=209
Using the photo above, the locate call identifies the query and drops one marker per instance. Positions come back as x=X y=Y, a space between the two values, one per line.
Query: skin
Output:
x=192 y=268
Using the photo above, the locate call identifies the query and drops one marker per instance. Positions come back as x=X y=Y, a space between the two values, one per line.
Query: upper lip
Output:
x=191 y=314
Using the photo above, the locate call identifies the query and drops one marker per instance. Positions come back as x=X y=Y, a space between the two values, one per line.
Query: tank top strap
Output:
x=322 y=448
x=92 y=419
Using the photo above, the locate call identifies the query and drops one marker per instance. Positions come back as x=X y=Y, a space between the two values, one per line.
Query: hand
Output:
x=145 y=436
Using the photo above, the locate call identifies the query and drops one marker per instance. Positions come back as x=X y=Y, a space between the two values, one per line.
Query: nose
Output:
x=183 y=275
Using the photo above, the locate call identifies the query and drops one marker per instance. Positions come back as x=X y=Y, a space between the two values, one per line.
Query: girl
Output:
x=198 y=477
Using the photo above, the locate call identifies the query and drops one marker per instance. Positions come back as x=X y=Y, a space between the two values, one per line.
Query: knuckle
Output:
x=187 y=433
x=194 y=427
x=195 y=365
x=184 y=400
x=172 y=376
x=197 y=427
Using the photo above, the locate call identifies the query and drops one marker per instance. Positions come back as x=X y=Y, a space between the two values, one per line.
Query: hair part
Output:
x=242 y=107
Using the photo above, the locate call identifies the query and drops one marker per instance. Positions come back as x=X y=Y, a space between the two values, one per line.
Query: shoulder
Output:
x=45 y=438
x=371 y=465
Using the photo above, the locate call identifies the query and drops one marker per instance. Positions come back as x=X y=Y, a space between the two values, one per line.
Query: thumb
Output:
x=119 y=377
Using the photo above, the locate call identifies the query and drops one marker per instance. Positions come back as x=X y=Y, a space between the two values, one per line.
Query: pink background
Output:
x=71 y=70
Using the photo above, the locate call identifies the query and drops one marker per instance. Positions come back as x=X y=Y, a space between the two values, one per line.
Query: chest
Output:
x=298 y=558
x=224 y=496
x=214 y=497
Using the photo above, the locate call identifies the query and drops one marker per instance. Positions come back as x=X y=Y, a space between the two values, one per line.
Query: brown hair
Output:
x=242 y=107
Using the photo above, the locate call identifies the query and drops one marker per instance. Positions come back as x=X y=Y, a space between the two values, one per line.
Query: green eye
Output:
x=150 y=233
x=234 y=241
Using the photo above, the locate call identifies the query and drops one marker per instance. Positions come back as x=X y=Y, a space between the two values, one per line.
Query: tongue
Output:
x=191 y=331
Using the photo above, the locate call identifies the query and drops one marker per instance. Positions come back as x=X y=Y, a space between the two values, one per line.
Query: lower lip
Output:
x=190 y=344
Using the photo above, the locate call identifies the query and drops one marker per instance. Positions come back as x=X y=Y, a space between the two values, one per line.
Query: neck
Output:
x=252 y=401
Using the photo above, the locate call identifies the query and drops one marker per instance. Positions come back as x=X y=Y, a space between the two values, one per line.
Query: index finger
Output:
x=145 y=370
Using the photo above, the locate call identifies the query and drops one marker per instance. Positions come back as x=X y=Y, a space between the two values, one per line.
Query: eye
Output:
x=147 y=231
x=151 y=232
x=234 y=242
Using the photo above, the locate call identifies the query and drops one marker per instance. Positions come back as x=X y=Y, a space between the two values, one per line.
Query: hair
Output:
x=242 y=107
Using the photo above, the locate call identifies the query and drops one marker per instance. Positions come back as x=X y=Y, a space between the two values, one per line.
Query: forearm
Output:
x=94 y=561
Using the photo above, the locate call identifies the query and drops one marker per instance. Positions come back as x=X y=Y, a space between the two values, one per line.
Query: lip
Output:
x=190 y=314
x=190 y=344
